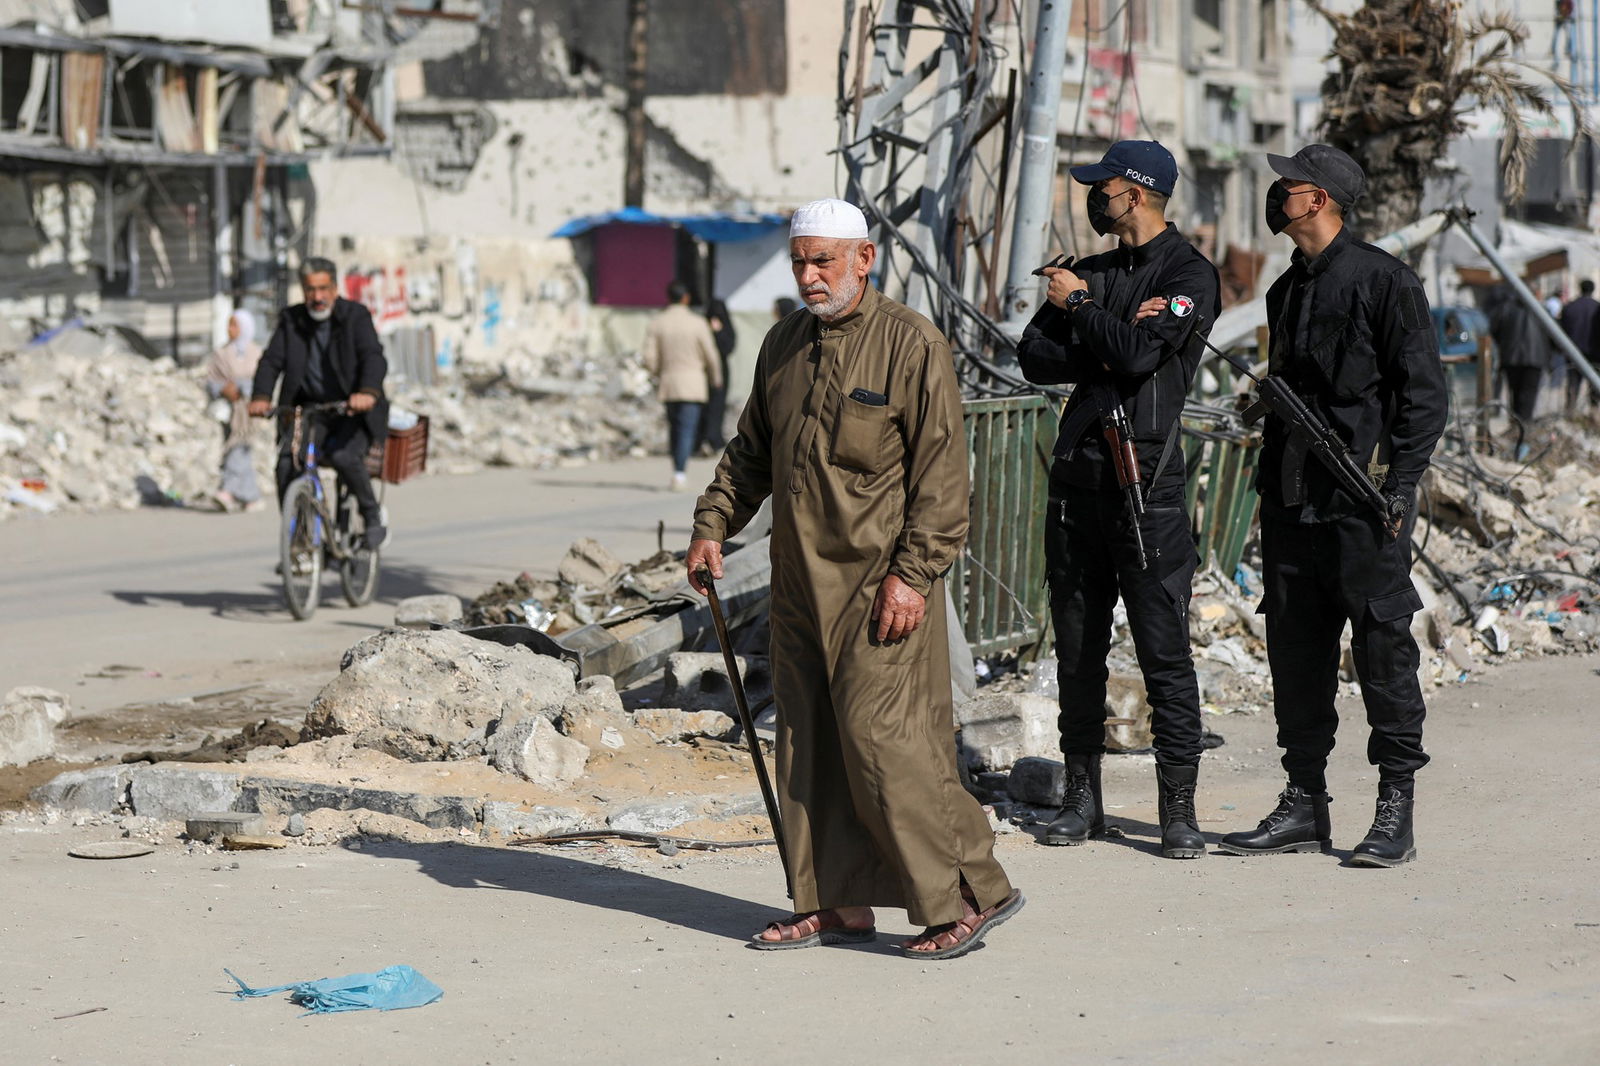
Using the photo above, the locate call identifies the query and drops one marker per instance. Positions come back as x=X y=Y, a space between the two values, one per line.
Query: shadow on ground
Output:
x=590 y=883
x=265 y=603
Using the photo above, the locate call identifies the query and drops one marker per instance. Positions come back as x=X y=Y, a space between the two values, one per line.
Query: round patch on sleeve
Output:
x=1181 y=306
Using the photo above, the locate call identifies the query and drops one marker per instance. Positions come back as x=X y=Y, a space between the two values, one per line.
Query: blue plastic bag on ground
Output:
x=391 y=988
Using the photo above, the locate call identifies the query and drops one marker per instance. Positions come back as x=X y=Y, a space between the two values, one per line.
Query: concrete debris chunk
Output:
x=698 y=680
x=28 y=720
x=652 y=817
x=1000 y=728
x=224 y=823
x=668 y=724
x=1037 y=781
x=589 y=565
x=533 y=750
x=416 y=612
x=435 y=695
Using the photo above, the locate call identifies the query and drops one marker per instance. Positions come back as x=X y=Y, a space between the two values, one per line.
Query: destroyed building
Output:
x=153 y=156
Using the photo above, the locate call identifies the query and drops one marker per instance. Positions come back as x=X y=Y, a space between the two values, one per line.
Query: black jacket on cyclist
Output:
x=351 y=357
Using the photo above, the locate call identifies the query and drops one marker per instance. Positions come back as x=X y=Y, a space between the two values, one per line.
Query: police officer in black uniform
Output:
x=1125 y=327
x=1350 y=332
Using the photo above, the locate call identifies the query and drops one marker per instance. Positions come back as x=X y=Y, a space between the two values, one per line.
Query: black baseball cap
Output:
x=1327 y=168
x=1141 y=162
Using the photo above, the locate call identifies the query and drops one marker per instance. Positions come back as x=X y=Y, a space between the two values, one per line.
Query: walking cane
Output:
x=746 y=721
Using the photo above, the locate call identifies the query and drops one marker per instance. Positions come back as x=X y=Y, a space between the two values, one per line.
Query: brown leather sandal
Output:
x=968 y=932
x=829 y=929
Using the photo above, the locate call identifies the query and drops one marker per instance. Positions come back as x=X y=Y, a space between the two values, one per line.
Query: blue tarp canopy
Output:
x=717 y=229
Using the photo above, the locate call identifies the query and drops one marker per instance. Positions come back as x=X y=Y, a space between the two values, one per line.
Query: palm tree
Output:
x=1408 y=73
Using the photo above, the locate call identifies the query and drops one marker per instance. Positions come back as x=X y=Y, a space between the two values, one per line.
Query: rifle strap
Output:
x=1166 y=452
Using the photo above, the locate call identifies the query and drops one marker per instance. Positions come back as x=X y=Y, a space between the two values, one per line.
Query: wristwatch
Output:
x=1076 y=299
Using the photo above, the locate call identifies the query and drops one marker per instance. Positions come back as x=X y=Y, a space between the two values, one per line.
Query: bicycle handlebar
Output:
x=326 y=407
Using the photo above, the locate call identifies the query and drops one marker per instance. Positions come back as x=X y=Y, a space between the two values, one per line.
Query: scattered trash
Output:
x=391 y=988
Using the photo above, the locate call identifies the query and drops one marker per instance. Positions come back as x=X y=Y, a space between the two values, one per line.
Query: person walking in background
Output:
x=1579 y=320
x=680 y=352
x=1523 y=351
x=712 y=419
x=783 y=307
x=228 y=378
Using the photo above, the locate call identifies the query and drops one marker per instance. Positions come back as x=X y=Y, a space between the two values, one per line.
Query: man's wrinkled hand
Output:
x=1063 y=283
x=1150 y=308
x=260 y=408
x=361 y=402
x=898 y=609
x=703 y=554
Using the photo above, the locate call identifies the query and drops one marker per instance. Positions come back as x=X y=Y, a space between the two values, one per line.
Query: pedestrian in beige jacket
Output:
x=681 y=354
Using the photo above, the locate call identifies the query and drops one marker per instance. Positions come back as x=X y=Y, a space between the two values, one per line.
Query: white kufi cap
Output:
x=828 y=218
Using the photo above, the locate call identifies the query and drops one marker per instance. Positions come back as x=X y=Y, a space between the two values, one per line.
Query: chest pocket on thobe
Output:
x=861 y=436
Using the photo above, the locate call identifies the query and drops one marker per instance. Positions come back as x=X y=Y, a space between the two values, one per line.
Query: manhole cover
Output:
x=111 y=849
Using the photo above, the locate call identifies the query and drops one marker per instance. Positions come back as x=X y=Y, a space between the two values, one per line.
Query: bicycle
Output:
x=304 y=543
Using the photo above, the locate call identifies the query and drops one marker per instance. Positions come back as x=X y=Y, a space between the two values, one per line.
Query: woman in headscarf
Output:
x=228 y=379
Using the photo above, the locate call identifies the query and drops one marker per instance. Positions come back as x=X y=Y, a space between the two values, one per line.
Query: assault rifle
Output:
x=1308 y=436
x=1125 y=460
x=1105 y=404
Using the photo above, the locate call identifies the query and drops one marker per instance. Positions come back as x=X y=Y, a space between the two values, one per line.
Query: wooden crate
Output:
x=402 y=455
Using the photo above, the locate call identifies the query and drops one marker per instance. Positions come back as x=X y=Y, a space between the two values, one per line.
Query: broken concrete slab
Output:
x=282 y=796
x=653 y=817
x=533 y=750
x=172 y=792
x=668 y=724
x=28 y=719
x=1000 y=728
x=513 y=819
x=422 y=696
x=99 y=788
x=225 y=823
x=421 y=612
x=697 y=680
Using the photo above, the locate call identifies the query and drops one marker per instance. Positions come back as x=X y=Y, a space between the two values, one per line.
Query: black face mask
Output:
x=1098 y=207
x=1277 y=218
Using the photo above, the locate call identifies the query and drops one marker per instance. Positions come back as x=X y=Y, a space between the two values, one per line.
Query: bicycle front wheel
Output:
x=300 y=549
x=358 y=572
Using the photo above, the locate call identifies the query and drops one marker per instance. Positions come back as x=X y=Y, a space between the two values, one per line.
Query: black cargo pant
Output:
x=1090 y=552
x=1317 y=577
x=344 y=447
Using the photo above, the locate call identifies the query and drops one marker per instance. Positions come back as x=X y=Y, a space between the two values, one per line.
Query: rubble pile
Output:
x=591 y=585
x=87 y=424
x=514 y=416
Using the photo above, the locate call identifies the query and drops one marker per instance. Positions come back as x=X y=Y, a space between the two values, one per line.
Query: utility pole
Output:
x=1036 y=173
x=633 y=106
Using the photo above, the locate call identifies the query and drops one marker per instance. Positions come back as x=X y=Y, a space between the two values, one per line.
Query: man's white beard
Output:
x=838 y=299
x=319 y=316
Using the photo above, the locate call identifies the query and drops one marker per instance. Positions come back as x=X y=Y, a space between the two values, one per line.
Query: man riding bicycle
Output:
x=326 y=349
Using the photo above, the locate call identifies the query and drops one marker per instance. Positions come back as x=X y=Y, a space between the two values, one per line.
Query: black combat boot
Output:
x=1180 y=831
x=1298 y=823
x=1082 y=814
x=1389 y=841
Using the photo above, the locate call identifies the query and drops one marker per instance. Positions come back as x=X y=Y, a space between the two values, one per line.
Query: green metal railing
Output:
x=998 y=583
x=1222 y=497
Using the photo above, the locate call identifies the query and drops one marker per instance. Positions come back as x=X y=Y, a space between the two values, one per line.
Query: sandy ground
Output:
x=1485 y=950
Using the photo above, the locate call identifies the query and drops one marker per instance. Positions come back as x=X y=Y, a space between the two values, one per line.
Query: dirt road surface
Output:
x=183 y=603
x=1485 y=950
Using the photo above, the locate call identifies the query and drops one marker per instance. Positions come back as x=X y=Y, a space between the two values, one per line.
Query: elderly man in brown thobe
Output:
x=853 y=428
